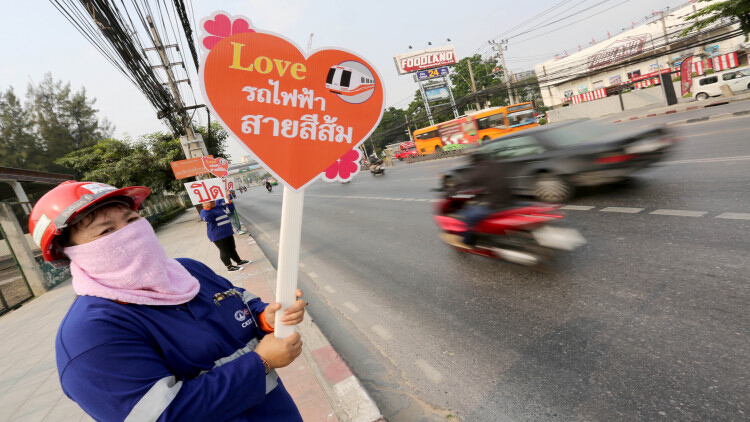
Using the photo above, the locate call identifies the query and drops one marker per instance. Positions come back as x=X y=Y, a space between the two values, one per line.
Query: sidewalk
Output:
x=658 y=110
x=321 y=384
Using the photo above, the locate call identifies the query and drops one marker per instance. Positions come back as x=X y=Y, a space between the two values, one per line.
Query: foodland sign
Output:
x=618 y=50
x=425 y=59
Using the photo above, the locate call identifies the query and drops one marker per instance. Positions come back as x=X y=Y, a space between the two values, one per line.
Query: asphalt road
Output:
x=648 y=321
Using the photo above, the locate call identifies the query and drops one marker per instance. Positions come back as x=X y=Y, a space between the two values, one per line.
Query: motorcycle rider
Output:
x=268 y=185
x=490 y=181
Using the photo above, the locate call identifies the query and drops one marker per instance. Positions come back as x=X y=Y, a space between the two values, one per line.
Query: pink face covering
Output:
x=131 y=266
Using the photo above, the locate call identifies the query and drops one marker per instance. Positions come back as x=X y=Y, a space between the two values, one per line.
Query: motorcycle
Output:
x=269 y=187
x=520 y=235
x=377 y=167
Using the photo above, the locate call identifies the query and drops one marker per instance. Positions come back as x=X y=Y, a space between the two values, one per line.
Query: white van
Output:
x=710 y=85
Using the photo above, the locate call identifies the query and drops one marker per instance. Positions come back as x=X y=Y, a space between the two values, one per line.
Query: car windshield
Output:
x=577 y=133
x=521 y=118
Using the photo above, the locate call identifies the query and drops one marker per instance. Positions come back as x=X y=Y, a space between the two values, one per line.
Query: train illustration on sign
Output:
x=346 y=81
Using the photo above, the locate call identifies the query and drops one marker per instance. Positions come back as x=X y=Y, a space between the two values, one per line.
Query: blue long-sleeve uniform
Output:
x=191 y=362
x=218 y=221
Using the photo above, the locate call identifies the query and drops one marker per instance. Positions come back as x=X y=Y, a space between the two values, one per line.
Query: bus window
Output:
x=496 y=121
x=427 y=135
x=346 y=77
x=521 y=118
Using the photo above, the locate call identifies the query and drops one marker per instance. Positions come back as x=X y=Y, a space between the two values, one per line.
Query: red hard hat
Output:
x=58 y=207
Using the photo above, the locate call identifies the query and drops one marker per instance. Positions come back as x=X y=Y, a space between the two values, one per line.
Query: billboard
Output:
x=437 y=94
x=618 y=50
x=432 y=73
x=425 y=59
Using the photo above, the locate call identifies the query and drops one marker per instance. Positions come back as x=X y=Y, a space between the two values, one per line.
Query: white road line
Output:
x=352 y=307
x=312 y=275
x=735 y=215
x=302 y=265
x=382 y=332
x=421 y=200
x=434 y=200
x=680 y=213
x=396 y=199
x=576 y=207
x=330 y=289
x=408 y=199
x=622 y=209
x=431 y=373
x=709 y=160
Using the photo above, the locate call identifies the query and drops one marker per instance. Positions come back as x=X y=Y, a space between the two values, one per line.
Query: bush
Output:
x=542 y=122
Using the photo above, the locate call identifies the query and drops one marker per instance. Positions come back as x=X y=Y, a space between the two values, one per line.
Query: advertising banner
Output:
x=424 y=75
x=686 y=75
x=461 y=131
x=297 y=112
x=205 y=190
x=437 y=94
x=188 y=168
x=219 y=166
x=617 y=51
x=425 y=59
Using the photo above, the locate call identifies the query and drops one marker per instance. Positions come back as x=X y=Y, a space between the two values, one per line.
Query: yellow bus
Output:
x=427 y=140
x=482 y=125
x=499 y=121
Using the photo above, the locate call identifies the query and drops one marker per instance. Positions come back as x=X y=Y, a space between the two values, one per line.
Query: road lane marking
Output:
x=421 y=200
x=329 y=289
x=576 y=207
x=382 y=332
x=352 y=307
x=680 y=213
x=302 y=265
x=431 y=373
x=312 y=275
x=709 y=160
x=735 y=215
x=625 y=210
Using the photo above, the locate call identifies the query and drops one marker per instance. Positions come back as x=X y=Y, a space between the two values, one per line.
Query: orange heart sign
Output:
x=218 y=166
x=297 y=113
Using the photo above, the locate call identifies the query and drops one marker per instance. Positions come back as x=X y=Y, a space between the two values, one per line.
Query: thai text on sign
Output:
x=205 y=190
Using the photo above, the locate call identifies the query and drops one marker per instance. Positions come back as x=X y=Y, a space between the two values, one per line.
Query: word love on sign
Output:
x=205 y=190
x=297 y=113
x=219 y=167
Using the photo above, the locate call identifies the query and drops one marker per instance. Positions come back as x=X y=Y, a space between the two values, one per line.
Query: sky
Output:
x=38 y=39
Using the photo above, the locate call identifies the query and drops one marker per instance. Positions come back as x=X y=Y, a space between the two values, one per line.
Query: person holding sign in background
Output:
x=216 y=214
x=151 y=338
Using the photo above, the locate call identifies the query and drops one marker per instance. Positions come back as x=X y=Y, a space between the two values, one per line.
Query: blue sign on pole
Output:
x=432 y=73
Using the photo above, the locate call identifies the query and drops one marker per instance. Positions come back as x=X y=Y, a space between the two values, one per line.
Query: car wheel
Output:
x=400 y=158
x=701 y=96
x=551 y=188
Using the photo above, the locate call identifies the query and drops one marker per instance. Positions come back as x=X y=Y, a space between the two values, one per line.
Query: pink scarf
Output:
x=130 y=266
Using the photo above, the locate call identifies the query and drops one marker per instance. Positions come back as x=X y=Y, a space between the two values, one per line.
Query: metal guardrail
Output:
x=440 y=155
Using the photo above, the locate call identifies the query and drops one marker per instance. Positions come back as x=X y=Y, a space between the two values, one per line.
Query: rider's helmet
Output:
x=67 y=204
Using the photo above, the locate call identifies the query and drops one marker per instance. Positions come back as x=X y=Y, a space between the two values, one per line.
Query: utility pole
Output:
x=499 y=48
x=408 y=129
x=473 y=85
x=192 y=146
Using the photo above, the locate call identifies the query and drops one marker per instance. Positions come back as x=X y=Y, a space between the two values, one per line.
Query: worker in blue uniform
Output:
x=151 y=338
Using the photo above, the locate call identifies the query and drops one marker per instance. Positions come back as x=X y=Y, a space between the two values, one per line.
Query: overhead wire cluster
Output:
x=120 y=31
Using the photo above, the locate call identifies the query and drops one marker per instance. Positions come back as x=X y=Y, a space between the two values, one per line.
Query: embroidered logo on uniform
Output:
x=218 y=297
x=239 y=316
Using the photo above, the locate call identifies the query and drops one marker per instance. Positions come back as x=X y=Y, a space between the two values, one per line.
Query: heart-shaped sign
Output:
x=218 y=166
x=297 y=113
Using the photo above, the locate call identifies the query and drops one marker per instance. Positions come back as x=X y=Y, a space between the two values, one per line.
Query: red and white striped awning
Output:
x=725 y=61
x=588 y=96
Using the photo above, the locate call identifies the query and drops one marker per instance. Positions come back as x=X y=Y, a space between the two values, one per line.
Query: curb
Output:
x=348 y=398
x=690 y=108
x=707 y=118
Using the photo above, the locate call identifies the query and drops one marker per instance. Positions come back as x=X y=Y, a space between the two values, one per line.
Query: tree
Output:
x=483 y=75
x=64 y=121
x=19 y=144
x=114 y=162
x=734 y=10
x=391 y=129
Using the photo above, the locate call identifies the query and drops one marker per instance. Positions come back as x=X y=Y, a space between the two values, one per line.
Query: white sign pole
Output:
x=289 y=244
